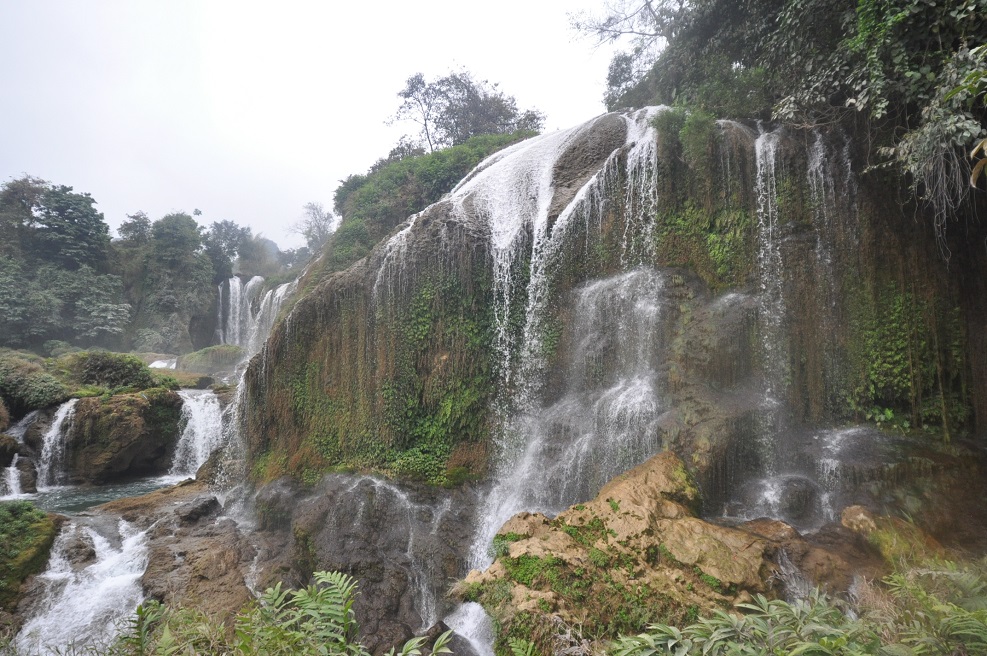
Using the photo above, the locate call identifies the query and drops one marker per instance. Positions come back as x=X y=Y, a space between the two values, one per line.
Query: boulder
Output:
x=124 y=436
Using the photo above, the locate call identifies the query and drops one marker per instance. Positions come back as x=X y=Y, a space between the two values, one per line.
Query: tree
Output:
x=66 y=229
x=317 y=225
x=228 y=237
x=895 y=67
x=137 y=229
x=222 y=243
x=18 y=198
x=176 y=237
x=456 y=107
x=259 y=256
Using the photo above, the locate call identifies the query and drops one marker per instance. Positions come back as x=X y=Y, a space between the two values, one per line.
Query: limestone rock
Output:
x=637 y=554
x=858 y=519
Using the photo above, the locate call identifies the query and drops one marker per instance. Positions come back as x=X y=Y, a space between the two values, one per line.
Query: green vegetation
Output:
x=910 y=354
x=64 y=284
x=26 y=536
x=26 y=384
x=903 y=70
x=112 y=370
x=453 y=109
x=372 y=205
x=211 y=358
x=937 y=608
x=311 y=621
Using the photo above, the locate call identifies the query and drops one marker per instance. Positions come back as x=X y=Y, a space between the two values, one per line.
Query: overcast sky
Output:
x=248 y=110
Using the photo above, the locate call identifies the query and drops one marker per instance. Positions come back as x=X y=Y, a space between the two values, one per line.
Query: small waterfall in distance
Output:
x=50 y=461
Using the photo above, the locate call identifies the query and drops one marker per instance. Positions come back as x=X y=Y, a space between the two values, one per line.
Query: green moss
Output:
x=908 y=354
x=210 y=359
x=26 y=537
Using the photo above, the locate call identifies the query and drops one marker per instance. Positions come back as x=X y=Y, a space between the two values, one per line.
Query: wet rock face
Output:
x=196 y=558
x=403 y=544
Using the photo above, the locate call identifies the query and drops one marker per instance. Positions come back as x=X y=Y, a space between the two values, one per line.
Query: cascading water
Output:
x=10 y=486
x=605 y=421
x=237 y=315
x=267 y=312
x=771 y=297
x=201 y=427
x=50 y=461
x=82 y=606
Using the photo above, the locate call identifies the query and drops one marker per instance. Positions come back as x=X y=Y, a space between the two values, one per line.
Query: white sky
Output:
x=247 y=110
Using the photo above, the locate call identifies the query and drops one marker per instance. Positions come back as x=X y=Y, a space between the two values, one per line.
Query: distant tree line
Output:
x=64 y=281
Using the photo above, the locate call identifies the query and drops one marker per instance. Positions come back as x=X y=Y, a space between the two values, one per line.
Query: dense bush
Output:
x=113 y=370
x=26 y=386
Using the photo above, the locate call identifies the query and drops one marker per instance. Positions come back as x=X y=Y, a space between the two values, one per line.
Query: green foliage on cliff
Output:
x=26 y=536
x=422 y=416
x=371 y=205
x=902 y=69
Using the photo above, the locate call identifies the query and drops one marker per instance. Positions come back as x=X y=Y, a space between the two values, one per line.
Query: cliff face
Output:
x=791 y=292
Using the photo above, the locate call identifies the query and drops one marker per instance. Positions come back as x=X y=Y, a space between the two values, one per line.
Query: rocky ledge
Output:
x=638 y=554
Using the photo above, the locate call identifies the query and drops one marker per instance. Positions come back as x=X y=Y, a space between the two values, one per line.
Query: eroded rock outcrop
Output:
x=196 y=557
x=402 y=543
x=636 y=554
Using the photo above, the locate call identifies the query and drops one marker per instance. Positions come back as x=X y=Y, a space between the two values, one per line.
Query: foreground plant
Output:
x=316 y=620
x=939 y=608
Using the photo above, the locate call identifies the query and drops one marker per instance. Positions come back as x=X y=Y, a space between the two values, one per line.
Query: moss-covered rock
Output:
x=222 y=357
x=122 y=436
x=27 y=535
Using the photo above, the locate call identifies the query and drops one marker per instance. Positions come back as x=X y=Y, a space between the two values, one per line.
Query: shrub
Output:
x=318 y=619
x=26 y=386
x=113 y=370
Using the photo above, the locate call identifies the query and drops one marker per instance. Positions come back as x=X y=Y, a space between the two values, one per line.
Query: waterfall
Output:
x=82 y=605
x=267 y=312
x=52 y=456
x=605 y=421
x=247 y=317
x=236 y=321
x=18 y=430
x=10 y=486
x=201 y=427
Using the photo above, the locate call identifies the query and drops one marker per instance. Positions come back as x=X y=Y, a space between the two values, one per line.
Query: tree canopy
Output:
x=456 y=107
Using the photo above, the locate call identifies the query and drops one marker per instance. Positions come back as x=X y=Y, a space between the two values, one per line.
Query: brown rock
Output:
x=858 y=519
